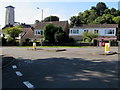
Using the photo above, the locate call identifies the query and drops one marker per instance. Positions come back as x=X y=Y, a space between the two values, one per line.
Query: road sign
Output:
x=107 y=47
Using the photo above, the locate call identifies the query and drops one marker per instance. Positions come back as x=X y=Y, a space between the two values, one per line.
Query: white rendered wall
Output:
x=101 y=31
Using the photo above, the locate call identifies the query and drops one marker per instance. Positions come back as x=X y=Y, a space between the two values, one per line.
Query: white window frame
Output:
x=86 y=31
x=74 y=31
x=96 y=31
x=106 y=32
x=38 y=32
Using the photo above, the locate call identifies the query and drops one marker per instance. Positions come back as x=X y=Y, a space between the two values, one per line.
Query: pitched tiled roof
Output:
x=27 y=32
x=41 y=25
x=97 y=26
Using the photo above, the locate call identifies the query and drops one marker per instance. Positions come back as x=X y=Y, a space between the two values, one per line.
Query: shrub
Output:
x=95 y=42
x=71 y=40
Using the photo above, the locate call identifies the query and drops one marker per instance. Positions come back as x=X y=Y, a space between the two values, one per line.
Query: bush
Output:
x=27 y=40
x=3 y=41
x=71 y=40
x=61 y=37
x=45 y=43
x=95 y=42
x=114 y=43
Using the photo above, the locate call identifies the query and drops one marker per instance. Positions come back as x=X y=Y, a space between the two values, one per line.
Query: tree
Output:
x=106 y=18
x=101 y=6
x=116 y=19
x=73 y=20
x=92 y=15
x=61 y=36
x=12 y=32
x=37 y=21
x=49 y=32
x=112 y=11
x=89 y=36
x=51 y=18
x=98 y=14
x=54 y=34
x=107 y=11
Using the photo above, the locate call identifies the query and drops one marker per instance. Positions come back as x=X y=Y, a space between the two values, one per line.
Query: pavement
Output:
x=73 y=68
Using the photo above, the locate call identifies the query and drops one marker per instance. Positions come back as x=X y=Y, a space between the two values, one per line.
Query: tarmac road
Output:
x=74 y=68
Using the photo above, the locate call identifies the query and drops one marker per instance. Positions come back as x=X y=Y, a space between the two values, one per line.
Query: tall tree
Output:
x=51 y=18
x=101 y=6
x=116 y=20
x=73 y=19
x=54 y=34
x=106 y=18
x=98 y=14
x=61 y=36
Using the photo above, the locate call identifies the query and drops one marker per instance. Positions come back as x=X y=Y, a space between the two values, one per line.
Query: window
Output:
x=77 y=31
x=71 y=31
x=86 y=31
x=95 y=31
x=74 y=31
x=41 y=32
x=38 y=32
x=109 y=31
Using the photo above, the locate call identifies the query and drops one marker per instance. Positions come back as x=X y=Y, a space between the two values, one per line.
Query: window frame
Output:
x=96 y=31
x=75 y=31
x=38 y=32
x=109 y=32
x=86 y=31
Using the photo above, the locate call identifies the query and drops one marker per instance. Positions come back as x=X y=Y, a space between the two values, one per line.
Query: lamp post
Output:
x=41 y=40
x=42 y=13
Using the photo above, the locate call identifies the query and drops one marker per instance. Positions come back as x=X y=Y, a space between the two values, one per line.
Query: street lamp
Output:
x=41 y=40
x=42 y=13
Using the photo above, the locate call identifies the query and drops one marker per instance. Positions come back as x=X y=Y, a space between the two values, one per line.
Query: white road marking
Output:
x=28 y=84
x=14 y=66
x=19 y=73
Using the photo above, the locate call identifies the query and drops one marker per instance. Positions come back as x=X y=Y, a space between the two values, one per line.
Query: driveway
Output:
x=73 y=68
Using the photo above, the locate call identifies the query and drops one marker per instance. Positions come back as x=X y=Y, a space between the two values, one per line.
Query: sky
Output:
x=26 y=11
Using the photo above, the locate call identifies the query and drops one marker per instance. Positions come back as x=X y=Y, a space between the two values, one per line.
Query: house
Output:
x=105 y=31
x=38 y=28
x=35 y=32
x=26 y=34
x=1 y=33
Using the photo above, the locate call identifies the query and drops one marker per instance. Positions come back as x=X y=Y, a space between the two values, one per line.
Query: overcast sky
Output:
x=26 y=10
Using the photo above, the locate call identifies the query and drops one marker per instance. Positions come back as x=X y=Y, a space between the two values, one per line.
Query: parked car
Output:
x=103 y=43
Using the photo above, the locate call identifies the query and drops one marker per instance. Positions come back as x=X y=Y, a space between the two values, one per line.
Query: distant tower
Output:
x=9 y=19
x=119 y=5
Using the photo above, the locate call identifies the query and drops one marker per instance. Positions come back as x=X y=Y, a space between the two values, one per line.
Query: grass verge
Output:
x=55 y=46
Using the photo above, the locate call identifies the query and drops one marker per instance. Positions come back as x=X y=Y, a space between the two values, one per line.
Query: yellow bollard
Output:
x=34 y=45
x=107 y=47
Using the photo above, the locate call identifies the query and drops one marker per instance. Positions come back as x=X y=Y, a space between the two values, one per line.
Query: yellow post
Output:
x=34 y=45
x=107 y=47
